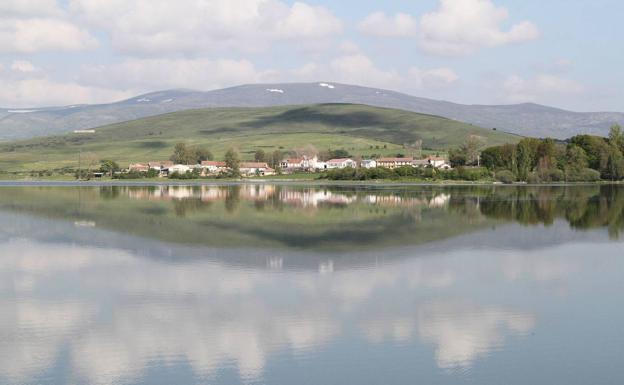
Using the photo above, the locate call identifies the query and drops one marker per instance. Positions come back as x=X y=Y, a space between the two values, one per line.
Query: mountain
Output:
x=360 y=129
x=523 y=119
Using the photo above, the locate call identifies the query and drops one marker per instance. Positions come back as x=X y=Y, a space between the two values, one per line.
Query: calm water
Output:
x=286 y=285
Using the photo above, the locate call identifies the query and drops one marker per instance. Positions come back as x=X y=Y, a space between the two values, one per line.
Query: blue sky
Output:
x=561 y=53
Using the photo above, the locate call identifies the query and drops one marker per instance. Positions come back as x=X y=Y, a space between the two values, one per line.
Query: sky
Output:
x=563 y=53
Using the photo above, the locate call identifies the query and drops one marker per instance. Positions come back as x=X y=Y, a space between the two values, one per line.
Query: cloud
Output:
x=30 y=8
x=40 y=25
x=199 y=27
x=357 y=68
x=461 y=27
x=433 y=78
x=147 y=74
x=461 y=333
x=41 y=91
x=23 y=66
x=42 y=34
x=379 y=24
x=543 y=88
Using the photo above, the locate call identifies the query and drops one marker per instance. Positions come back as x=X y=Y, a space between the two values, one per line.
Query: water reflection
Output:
x=323 y=218
x=104 y=305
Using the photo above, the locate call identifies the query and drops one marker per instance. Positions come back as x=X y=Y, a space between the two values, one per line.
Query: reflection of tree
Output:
x=184 y=206
x=583 y=207
x=232 y=198
x=109 y=192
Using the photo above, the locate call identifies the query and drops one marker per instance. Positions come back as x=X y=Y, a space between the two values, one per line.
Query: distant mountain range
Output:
x=524 y=119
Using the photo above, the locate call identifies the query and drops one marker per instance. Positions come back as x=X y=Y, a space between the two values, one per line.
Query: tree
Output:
x=339 y=153
x=492 y=158
x=596 y=148
x=616 y=137
x=232 y=161
x=109 y=167
x=615 y=165
x=183 y=154
x=457 y=157
x=201 y=154
x=275 y=158
x=260 y=155
x=576 y=159
x=468 y=153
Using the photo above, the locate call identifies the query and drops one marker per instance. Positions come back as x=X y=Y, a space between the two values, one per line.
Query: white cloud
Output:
x=462 y=333
x=42 y=34
x=198 y=27
x=23 y=66
x=150 y=74
x=380 y=24
x=41 y=91
x=543 y=88
x=39 y=25
x=359 y=69
x=30 y=8
x=433 y=78
x=461 y=27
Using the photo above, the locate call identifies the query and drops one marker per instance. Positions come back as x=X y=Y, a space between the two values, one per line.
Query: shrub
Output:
x=533 y=178
x=505 y=176
x=584 y=175
x=551 y=175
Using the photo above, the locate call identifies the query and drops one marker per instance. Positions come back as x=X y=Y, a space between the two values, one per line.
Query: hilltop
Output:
x=362 y=130
x=523 y=119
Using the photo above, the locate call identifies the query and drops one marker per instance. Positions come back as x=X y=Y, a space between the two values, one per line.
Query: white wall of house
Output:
x=179 y=168
x=343 y=163
x=369 y=163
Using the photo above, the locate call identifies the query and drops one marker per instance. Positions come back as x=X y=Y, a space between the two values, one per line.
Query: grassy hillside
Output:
x=362 y=130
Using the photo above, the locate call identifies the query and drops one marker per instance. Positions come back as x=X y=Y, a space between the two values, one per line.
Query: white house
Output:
x=179 y=168
x=394 y=162
x=320 y=165
x=368 y=163
x=303 y=163
x=255 y=168
x=438 y=162
x=211 y=167
x=341 y=163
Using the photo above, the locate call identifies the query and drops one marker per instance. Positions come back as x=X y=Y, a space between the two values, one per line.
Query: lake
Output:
x=279 y=284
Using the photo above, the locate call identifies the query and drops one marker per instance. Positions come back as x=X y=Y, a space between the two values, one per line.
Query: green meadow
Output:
x=360 y=129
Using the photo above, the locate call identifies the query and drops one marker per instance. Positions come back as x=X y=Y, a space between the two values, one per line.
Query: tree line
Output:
x=580 y=158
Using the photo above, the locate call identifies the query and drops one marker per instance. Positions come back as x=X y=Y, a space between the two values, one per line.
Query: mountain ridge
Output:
x=529 y=119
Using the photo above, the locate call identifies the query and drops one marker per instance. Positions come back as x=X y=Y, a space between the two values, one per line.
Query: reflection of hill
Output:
x=254 y=216
x=337 y=219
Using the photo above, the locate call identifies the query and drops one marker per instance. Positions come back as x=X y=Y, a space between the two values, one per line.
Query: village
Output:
x=303 y=164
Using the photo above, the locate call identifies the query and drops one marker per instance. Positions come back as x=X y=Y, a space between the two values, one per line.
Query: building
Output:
x=212 y=167
x=161 y=166
x=438 y=162
x=138 y=167
x=303 y=163
x=341 y=163
x=394 y=162
x=420 y=163
x=368 y=163
x=320 y=165
x=180 y=169
x=255 y=168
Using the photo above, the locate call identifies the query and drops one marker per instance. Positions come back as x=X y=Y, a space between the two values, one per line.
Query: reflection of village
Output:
x=296 y=197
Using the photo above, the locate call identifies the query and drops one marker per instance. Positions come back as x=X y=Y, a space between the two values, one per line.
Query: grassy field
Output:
x=362 y=130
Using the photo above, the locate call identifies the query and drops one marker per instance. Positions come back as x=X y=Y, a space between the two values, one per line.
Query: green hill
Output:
x=360 y=129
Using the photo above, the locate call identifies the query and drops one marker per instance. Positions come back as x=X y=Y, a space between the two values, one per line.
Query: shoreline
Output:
x=285 y=182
